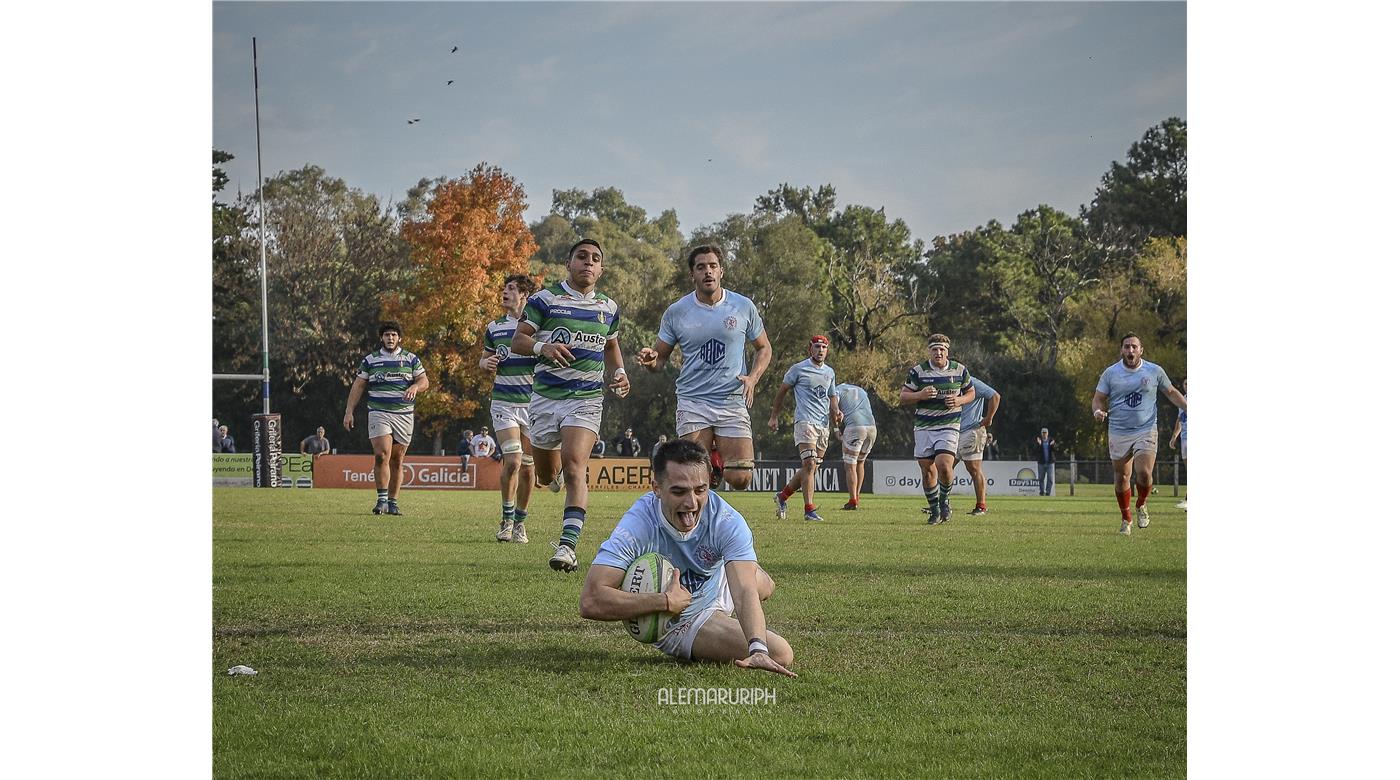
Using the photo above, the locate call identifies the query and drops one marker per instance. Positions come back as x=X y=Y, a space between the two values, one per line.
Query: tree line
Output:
x=1036 y=308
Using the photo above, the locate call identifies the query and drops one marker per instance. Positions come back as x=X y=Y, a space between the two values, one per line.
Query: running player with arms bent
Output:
x=579 y=329
x=1127 y=398
x=714 y=391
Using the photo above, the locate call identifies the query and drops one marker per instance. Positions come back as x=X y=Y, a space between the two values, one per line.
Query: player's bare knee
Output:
x=738 y=480
x=779 y=649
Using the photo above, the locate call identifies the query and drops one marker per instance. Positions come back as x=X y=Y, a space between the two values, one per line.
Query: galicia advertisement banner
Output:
x=420 y=472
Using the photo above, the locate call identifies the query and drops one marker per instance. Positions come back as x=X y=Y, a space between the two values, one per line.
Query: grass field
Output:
x=1034 y=641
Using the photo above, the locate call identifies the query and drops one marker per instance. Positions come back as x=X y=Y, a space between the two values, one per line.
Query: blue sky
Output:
x=946 y=114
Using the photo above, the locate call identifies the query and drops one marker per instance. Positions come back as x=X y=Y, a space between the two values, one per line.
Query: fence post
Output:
x=1176 y=474
x=1073 y=473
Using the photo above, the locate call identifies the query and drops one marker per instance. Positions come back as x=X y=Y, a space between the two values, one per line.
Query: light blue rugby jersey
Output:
x=855 y=405
x=721 y=536
x=812 y=387
x=1132 y=396
x=972 y=413
x=711 y=340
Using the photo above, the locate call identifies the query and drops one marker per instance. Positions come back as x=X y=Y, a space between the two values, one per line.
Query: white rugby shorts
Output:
x=804 y=432
x=398 y=425
x=971 y=443
x=713 y=598
x=856 y=442
x=548 y=417
x=730 y=420
x=505 y=416
x=1123 y=445
x=931 y=441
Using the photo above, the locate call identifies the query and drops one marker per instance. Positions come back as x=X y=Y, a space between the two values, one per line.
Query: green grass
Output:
x=1035 y=641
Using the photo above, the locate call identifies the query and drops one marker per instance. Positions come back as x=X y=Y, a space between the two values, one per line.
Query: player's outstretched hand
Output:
x=773 y=423
x=620 y=385
x=677 y=597
x=411 y=393
x=558 y=353
x=647 y=358
x=762 y=661
x=349 y=421
x=748 y=382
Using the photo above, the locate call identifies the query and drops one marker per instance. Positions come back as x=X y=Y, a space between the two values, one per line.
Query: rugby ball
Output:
x=650 y=573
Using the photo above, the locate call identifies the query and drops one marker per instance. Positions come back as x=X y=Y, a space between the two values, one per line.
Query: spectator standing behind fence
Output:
x=225 y=440
x=627 y=445
x=218 y=437
x=1045 y=457
x=660 y=440
x=990 y=453
x=316 y=444
x=464 y=449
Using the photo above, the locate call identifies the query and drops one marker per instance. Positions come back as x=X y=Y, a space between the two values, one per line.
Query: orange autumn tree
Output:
x=469 y=238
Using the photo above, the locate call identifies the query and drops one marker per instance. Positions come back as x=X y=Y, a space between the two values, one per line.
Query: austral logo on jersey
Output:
x=502 y=351
x=595 y=341
x=1024 y=478
x=712 y=351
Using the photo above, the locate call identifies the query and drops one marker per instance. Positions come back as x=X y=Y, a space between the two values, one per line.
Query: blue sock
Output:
x=520 y=515
x=573 y=526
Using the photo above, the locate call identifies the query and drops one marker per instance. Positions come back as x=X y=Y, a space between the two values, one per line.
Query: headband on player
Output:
x=820 y=339
x=940 y=340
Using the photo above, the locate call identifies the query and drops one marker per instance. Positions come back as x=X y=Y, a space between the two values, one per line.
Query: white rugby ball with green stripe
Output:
x=650 y=573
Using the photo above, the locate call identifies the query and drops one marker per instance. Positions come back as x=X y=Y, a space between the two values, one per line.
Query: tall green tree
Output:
x=1146 y=195
x=332 y=251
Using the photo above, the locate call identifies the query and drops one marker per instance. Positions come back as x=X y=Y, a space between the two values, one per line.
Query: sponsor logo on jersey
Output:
x=594 y=341
x=712 y=351
x=1133 y=400
x=502 y=351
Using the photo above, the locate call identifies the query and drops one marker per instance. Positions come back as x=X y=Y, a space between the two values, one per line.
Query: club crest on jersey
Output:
x=601 y=318
x=707 y=555
x=730 y=323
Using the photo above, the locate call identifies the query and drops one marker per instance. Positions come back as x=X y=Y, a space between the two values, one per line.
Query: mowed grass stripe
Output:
x=1031 y=642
